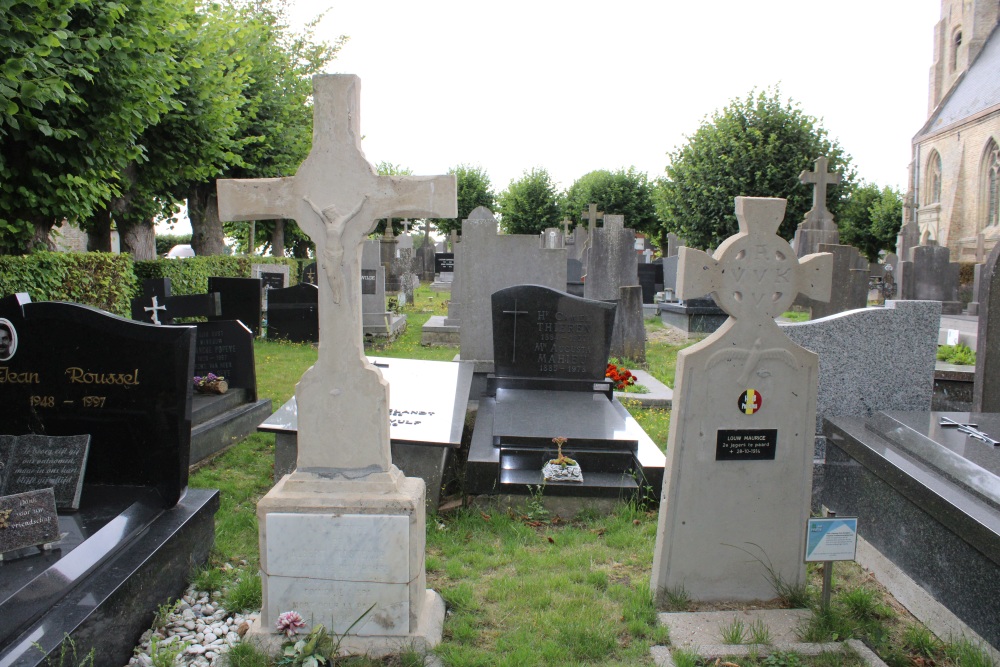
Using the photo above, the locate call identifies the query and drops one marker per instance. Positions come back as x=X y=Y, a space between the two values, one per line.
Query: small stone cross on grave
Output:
x=740 y=449
x=336 y=197
x=820 y=179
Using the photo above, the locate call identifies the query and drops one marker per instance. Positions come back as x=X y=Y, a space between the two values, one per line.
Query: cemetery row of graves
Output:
x=458 y=467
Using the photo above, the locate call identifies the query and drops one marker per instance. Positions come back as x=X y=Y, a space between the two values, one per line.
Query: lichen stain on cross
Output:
x=336 y=197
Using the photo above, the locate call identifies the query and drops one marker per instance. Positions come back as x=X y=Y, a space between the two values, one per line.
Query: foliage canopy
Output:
x=530 y=204
x=622 y=192
x=870 y=219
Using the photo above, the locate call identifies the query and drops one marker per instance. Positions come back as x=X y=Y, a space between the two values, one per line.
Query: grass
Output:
x=524 y=586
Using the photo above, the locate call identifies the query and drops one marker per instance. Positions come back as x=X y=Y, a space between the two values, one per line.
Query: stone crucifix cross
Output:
x=336 y=197
x=820 y=178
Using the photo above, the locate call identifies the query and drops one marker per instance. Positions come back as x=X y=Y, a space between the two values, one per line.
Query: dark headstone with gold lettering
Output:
x=70 y=370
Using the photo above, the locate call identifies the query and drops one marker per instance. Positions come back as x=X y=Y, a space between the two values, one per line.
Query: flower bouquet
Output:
x=622 y=377
x=210 y=384
x=562 y=468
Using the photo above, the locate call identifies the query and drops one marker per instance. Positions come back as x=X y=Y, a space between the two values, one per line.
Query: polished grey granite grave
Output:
x=427 y=406
x=927 y=496
x=551 y=353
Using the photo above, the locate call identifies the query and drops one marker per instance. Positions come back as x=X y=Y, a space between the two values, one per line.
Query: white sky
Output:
x=578 y=85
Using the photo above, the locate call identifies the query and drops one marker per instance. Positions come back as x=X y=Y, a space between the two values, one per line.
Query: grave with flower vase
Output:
x=551 y=355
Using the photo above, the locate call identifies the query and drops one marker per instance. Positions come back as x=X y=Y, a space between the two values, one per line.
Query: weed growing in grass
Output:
x=918 y=639
x=244 y=594
x=684 y=658
x=782 y=659
x=967 y=653
x=162 y=615
x=208 y=578
x=792 y=594
x=67 y=655
x=758 y=633
x=676 y=599
x=865 y=604
x=733 y=632
x=534 y=507
x=246 y=654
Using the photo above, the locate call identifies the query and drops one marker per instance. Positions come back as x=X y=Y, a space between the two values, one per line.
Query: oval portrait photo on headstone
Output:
x=8 y=339
x=750 y=401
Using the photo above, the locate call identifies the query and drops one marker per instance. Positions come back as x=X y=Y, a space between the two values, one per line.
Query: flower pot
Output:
x=556 y=472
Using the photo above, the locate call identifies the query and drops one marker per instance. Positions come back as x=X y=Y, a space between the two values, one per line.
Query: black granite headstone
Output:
x=31 y=462
x=157 y=306
x=647 y=280
x=241 y=300
x=272 y=280
x=27 y=519
x=226 y=348
x=78 y=370
x=542 y=332
x=444 y=262
x=293 y=314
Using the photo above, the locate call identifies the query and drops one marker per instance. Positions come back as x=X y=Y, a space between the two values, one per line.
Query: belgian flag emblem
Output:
x=750 y=401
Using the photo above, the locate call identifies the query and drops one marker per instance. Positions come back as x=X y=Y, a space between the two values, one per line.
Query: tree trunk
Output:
x=206 y=228
x=41 y=239
x=278 y=239
x=139 y=239
x=99 y=236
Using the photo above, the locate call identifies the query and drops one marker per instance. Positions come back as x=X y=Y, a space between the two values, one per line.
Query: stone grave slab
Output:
x=612 y=261
x=129 y=546
x=241 y=300
x=551 y=354
x=293 y=314
x=428 y=403
x=377 y=321
x=31 y=462
x=930 y=275
x=927 y=498
x=743 y=420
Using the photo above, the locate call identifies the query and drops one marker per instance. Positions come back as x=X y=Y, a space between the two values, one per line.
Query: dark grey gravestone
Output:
x=293 y=314
x=850 y=282
x=544 y=333
x=444 y=262
x=929 y=275
x=574 y=277
x=32 y=462
x=368 y=281
x=241 y=300
x=157 y=306
x=309 y=273
x=612 y=262
x=986 y=390
x=647 y=280
x=927 y=497
x=670 y=277
x=28 y=519
x=226 y=348
x=628 y=340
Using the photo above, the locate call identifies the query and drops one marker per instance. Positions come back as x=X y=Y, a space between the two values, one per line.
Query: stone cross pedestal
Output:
x=739 y=457
x=346 y=529
x=818 y=226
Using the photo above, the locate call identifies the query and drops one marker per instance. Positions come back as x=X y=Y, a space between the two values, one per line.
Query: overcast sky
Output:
x=574 y=86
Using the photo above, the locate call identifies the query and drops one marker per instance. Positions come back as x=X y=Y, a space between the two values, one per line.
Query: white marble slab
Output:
x=344 y=548
x=337 y=604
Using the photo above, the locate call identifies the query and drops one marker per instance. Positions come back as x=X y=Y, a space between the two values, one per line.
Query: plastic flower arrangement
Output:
x=622 y=377
x=211 y=378
x=561 y=459
x=289 y=623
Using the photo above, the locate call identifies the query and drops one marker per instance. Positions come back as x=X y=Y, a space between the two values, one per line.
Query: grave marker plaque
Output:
x=444 y=262
x=32 y=462
x=28 y=519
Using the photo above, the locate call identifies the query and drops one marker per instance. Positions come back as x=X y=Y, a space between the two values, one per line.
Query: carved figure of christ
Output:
x=336 y=197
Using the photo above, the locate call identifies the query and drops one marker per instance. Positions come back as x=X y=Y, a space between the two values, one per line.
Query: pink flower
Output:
x=289 y=623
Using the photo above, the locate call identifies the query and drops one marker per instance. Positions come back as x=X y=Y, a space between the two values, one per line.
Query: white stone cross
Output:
x=820 y=179
x=336 y=197
x=154 y=310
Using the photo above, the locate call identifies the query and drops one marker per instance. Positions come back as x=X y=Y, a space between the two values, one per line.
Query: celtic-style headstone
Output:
x=739 y=456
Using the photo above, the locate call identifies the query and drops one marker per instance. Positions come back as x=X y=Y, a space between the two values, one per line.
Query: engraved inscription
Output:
x=7 y=377
x=79 y=375
x=564 y=342
x=214 y=353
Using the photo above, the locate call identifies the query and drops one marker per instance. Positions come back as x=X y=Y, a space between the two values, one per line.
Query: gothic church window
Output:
x=991 y=184
x=956 y=41
x=933 y=191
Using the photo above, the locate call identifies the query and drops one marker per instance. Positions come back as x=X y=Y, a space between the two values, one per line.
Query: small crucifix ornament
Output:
x=740 y=449
x=336 y=197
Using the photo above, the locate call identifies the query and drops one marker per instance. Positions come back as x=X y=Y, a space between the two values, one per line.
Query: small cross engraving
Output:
x=155 y=317
x=515 y=313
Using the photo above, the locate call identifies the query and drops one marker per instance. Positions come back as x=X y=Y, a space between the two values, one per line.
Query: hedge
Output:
x=190 y=275
x=102 y=280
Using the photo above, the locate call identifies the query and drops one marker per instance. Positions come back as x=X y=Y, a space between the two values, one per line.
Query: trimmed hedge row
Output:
x=109 y=282
x=102 y=280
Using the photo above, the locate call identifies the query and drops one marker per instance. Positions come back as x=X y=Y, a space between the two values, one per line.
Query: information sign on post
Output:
x=831 y=538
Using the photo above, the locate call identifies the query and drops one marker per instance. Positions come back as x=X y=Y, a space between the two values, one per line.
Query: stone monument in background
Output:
x=346 y=529
x=736 y=495
x=818 y=225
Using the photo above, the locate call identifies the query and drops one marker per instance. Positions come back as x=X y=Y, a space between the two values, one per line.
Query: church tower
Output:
x=958 y=38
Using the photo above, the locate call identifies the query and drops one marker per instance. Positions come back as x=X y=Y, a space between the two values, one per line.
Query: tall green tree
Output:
x=870 y=218
x=530 y=204
x=80 y=82
x=276 y=125
x=474 y=190
x=756 y=147
x=622 y=192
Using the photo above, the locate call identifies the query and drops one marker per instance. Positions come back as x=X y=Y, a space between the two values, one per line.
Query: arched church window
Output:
x=933 y=189
x=991 y=184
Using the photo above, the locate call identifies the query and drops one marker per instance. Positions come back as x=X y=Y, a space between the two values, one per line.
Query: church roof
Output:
x=976 y=90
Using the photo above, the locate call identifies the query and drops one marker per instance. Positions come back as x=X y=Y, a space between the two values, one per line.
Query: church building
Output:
x=954 y=185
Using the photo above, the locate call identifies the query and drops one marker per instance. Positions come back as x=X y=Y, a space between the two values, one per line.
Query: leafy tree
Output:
x=80 y=82
x=530 y=204
x=474 y=190
x=754 y=147
x=621 y=192
x=870 y=219
x=276 y=126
